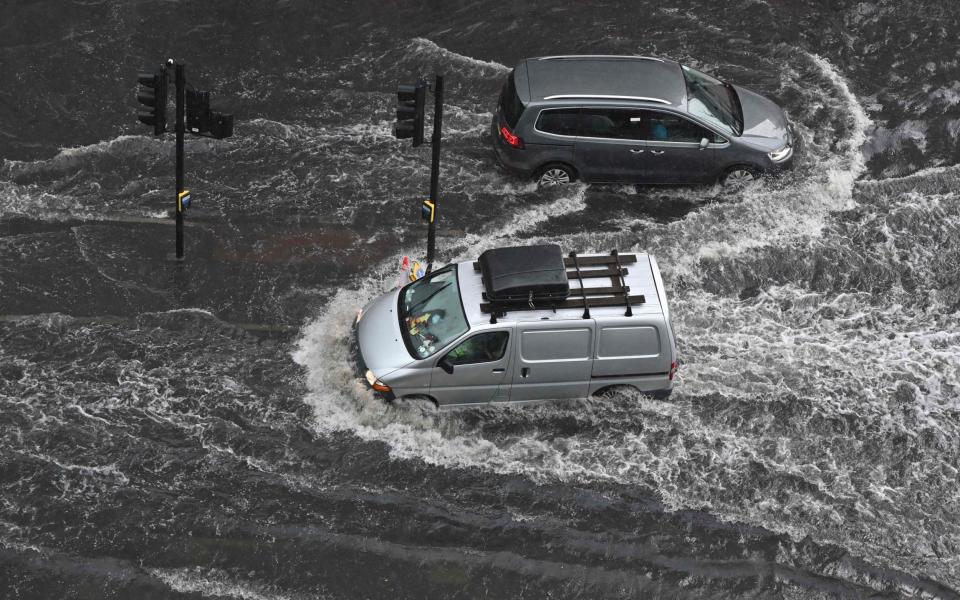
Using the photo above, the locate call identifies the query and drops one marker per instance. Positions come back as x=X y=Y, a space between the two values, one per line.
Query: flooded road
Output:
x=198 y=431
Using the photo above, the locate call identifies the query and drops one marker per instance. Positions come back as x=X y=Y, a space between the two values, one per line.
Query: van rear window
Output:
x=510 y=105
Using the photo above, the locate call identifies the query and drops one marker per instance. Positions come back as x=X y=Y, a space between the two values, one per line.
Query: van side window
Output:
x=555 y=344
x=561 y=121
x=613 y=123
x=480 y=348
x=667 y=127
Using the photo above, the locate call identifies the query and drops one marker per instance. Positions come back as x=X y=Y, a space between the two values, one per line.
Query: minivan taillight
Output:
x=673 y=369
x=509 y=137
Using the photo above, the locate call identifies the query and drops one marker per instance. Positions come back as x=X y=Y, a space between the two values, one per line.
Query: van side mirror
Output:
x=446 y=365
x=704 y=142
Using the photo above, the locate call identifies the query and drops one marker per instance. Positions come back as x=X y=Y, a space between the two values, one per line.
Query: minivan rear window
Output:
x=510 y=105
x=561 y=121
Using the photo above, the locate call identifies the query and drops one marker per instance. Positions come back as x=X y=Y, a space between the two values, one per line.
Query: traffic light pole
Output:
x=181 y=92
x=435 y=168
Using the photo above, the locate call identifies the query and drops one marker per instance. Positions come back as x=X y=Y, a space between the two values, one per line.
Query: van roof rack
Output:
x=528 y=278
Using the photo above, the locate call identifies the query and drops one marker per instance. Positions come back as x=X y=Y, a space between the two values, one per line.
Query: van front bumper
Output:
x=360 y=368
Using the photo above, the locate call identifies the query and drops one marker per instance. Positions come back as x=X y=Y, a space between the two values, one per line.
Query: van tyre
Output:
x=612 y=391
x=555 y=174
x=422 y=404
x=739 y=176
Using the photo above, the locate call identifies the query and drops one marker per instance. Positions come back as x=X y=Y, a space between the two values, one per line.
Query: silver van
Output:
x=635 y=119
x=521 y=324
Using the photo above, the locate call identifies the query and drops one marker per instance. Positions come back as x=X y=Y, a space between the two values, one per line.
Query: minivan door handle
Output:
x=636 y=150
x=499 y=370
x=524 y=372
x=657 y=152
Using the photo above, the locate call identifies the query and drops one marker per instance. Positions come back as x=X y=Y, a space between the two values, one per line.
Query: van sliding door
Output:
x=552 y=363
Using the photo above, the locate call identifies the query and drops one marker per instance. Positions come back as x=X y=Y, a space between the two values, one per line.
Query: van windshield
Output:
x=510 y=104
x=431 y=314
x=714 y=101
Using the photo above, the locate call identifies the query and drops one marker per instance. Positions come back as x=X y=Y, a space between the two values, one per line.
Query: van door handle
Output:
x=524 y=372
x=498 y=370
x=657 y=152
x=636 y=150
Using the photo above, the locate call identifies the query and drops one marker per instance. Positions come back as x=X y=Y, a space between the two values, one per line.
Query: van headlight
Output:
x=376 y=383
x=782 y=154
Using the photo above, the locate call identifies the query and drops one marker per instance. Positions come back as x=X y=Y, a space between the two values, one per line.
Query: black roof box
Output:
x=522 y=273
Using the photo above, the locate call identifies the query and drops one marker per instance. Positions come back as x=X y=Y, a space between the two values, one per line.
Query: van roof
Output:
x=640 y=278
x=599 y=76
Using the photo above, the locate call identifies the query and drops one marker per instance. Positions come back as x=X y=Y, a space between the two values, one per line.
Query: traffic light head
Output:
x=202 y=120
x=153 y=95
x=411 y=102
x=198 y=110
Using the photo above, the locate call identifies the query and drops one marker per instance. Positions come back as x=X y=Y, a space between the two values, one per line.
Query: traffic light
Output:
x=153 y=95
x=198 y=110
x=411 y=101
x=200 y=119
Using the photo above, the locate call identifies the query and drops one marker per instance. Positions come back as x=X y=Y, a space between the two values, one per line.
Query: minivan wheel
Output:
x=739 y=176
x=555 y=174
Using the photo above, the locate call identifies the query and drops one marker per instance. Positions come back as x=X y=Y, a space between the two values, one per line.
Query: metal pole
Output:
x=181 y=93
x=435 y=169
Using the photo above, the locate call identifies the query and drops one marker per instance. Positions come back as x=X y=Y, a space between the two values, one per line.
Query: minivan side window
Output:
x=561 y=121
x=480 y=348
x=667 y=127
x=613 y=123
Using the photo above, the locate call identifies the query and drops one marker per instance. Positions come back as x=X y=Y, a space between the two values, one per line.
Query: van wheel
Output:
x=555 y=174
x=423 y=404
x=739 y=176
x=615 y=390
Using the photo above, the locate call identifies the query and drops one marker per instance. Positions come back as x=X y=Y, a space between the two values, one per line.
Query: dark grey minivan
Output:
x=635 y=119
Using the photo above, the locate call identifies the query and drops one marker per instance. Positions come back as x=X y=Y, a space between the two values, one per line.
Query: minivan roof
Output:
x=639 y=278
x=592 y=76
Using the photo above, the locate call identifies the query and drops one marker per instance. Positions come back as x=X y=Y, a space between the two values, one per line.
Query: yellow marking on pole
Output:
x=180 y=197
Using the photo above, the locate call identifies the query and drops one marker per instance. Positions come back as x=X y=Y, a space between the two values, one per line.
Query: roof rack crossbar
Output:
x=623 y=282
x=600 y=291
x=587 y=261
x=604 y=301
x=592 y=273
x=586 y=305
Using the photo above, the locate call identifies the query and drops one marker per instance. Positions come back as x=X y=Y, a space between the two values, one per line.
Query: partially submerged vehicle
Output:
x=635 y=119
x=522 y=324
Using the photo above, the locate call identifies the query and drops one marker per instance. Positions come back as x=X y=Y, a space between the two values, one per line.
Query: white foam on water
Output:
x=218 y=584
x=72 y=158
x=429 y=47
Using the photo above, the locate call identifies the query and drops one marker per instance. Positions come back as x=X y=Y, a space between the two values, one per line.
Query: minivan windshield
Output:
x=714 y=101
x=431 y=314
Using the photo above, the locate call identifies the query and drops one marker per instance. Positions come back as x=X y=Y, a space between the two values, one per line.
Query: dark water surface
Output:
x=197 y=432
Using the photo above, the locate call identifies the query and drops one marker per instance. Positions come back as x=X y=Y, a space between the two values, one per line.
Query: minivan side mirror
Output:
x=704 y=142
x=446 y=365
